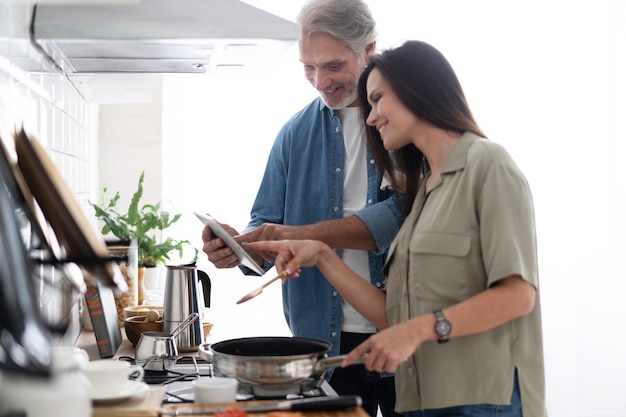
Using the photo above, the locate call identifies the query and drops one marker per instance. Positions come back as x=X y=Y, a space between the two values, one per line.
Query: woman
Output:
x=460 y=320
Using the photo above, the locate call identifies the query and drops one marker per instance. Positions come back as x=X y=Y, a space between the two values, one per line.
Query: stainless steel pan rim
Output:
x=270 y=360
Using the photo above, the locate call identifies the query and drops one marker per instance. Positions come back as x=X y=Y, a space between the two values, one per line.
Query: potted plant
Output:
x=142 y=223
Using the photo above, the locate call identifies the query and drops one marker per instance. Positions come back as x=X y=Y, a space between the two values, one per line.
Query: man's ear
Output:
x=370 y=48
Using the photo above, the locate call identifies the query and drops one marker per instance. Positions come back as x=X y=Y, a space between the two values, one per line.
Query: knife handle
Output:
x=326 y=403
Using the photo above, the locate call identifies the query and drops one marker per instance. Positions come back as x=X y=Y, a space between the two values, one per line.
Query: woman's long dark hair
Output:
x=426 y=84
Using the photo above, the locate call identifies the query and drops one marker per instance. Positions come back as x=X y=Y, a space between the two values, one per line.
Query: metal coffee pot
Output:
x=181 y=299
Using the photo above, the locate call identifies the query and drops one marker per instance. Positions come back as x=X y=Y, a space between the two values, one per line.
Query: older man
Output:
x=321 y=183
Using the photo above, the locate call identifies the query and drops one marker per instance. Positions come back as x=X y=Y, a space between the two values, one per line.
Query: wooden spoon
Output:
x=259 y=290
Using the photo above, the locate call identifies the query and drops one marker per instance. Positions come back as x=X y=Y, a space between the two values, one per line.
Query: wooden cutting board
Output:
x=351 y=412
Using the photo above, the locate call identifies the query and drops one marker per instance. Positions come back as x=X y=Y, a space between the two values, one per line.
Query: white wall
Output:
x=543 y=78
x=130 y=141
x=218 y=130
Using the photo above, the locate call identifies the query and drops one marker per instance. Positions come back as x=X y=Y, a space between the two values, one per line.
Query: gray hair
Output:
x=348 y=20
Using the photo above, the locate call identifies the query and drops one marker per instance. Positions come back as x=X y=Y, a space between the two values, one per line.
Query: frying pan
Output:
x=271 y=360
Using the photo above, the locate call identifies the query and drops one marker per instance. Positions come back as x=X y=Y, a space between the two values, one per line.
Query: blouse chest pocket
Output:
x=438 y=267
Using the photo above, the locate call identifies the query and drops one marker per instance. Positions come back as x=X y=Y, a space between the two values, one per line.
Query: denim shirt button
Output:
x=337 y=129
x=372 y=162
x=378 y=284
x=333 y=334
x=335 y=293
x=337 y=169
x=369 y=201
x=335 y=209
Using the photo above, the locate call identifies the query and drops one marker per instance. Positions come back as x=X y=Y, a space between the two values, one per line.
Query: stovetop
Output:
x=188 y=368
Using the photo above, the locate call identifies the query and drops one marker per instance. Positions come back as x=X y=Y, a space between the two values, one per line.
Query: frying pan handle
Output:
x=325 y=364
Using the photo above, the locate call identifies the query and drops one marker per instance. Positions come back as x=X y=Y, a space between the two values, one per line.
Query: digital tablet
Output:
x=244 y=258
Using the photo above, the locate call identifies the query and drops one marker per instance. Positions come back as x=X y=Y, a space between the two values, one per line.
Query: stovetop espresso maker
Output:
x=181 y=299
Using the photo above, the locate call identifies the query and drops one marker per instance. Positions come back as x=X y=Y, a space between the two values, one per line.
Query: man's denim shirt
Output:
x=303 y=184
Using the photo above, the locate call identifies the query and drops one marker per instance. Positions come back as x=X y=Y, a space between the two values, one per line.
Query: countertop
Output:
x=149 y=405
x=186 y=408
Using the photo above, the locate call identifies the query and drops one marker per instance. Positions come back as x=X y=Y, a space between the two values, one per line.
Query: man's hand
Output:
x=218 y=253
x=272 y=231
x=269 y=232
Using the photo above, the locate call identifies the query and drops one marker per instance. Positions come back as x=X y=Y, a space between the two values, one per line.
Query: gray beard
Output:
x=348 y=99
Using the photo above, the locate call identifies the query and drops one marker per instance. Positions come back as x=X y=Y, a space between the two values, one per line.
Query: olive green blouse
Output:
x=474 y=227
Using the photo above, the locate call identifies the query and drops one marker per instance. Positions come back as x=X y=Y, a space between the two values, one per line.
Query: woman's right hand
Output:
x=390 y=347
x=361 y=294
x=292 y=254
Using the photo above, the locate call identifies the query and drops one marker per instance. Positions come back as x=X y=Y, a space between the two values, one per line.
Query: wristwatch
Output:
x=442 y=327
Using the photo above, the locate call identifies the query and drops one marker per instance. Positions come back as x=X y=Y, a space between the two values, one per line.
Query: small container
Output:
x=134 y=311
x=135 y=326
x=156 y=351
x=215 y=390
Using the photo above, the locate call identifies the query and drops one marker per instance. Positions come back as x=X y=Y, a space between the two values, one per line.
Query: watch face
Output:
x=443 y=328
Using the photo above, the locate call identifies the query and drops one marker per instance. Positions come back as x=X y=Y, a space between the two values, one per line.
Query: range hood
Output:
x=157 y=36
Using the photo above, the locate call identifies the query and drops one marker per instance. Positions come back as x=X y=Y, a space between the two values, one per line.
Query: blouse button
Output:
x=409 y=371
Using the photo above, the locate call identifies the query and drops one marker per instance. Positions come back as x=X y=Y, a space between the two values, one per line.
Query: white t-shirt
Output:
x=354 y=197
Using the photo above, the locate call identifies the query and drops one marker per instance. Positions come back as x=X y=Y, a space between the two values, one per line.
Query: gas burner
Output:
x=182 y=392
x=303 y=389
x=189 y=371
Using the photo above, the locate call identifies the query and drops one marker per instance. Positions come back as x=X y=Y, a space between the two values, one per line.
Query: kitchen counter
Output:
x=186 y=408
x=150 y=404
x=147 y=407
